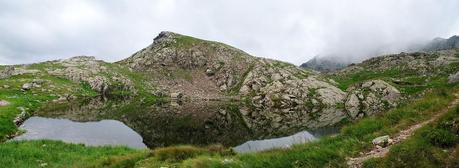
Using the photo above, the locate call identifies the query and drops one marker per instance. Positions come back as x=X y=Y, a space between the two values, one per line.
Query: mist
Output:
x=293 y=31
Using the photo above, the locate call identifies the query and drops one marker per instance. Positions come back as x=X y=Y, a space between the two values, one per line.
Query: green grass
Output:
x=186 y=41
x=174 y=155
x=50 y=65
x=59 y=154
x=345 y=81
x=411 y=82
x=51 y=153
x=34 y=98
x=235 y=90
x=435 y=145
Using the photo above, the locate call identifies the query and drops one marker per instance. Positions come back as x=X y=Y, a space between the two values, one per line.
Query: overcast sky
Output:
x=292 y=31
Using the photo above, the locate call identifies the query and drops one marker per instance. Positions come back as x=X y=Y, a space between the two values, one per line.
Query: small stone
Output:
x=227 y=161
x=4 y=103
x=390 y=141
x=244 y=112
x=177 y=95
x=381 y=141
x=244 y=90
x=26 y=86
x=210 y=72
x=63 y=98
x=276 y=77
x=38 y=81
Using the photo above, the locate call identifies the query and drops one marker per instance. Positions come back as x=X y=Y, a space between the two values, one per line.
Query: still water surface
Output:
x=129 y=123
x=99 y=133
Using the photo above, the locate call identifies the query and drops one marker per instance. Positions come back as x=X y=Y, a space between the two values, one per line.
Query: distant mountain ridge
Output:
x=442 y=44
x=324 y=64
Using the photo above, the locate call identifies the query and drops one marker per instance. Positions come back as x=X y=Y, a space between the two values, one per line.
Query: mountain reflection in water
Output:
x=197 y=123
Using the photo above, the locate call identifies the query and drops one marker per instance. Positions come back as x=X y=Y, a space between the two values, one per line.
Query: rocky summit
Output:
x=201 y=69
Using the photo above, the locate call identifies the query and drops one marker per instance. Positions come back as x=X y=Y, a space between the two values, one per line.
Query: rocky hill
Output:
x=201 y=69
x=274 y=92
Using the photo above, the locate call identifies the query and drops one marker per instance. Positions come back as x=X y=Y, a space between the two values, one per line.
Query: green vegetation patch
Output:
x=435 y=145
x=58 y=154
x=175 y=155
x=34 y=98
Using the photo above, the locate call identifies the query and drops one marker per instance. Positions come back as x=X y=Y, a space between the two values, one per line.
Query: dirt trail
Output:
x=378 y=151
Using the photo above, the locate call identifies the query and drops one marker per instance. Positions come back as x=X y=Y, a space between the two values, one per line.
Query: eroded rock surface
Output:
x=453 y=78
x=93 y=72
x=370 y=97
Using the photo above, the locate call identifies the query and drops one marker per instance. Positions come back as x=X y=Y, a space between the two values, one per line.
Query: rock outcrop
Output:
x=453 y=78
x=7 y=72
x=85 y=69
x=370 y=97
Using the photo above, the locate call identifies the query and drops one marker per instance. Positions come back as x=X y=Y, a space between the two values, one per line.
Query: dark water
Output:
x=136 y=124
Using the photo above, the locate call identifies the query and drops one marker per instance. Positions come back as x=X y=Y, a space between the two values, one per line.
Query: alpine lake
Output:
x=124 y=122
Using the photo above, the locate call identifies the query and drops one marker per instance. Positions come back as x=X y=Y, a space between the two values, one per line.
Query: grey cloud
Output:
x=292 y=31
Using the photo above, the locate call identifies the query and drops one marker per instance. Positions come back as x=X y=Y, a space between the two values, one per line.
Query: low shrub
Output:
x=440 y=137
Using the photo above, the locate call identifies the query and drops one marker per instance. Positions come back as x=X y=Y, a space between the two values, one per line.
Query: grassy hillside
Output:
x=436 y=145
x=411 y=73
